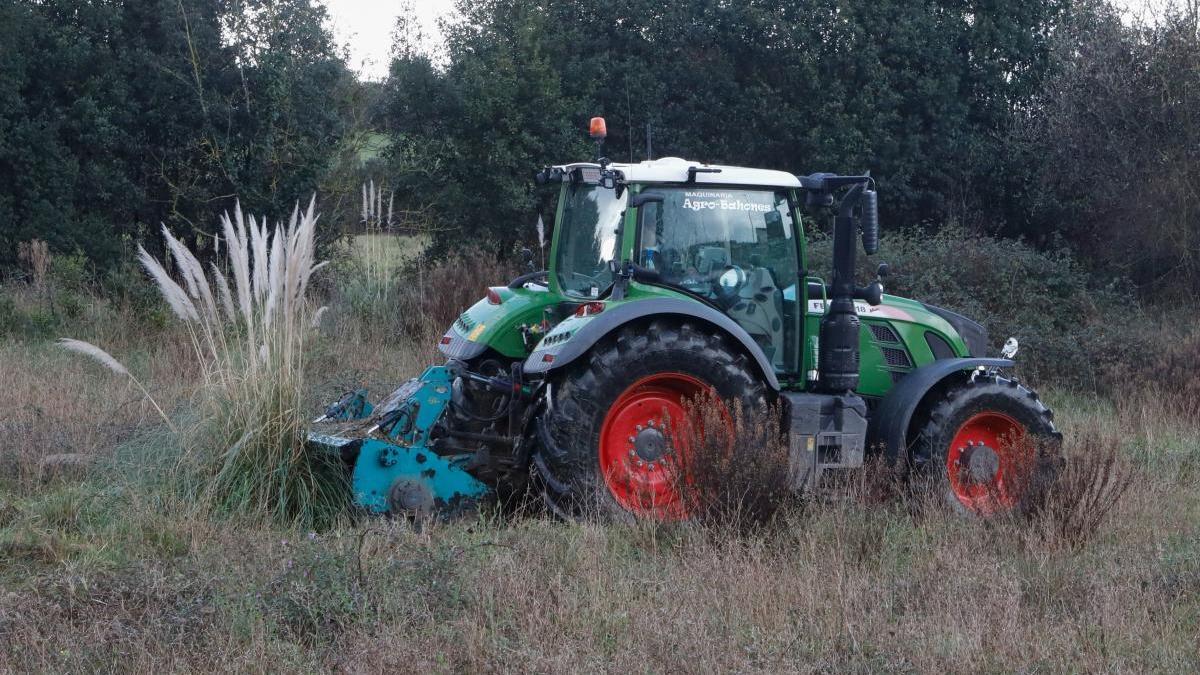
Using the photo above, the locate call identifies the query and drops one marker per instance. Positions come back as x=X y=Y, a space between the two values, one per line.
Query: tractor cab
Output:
x=727 y=236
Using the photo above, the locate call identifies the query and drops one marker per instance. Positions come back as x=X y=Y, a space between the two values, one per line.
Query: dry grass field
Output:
x=104 y=567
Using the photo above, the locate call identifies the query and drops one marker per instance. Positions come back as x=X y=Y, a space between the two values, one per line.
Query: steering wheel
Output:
x=727 y=285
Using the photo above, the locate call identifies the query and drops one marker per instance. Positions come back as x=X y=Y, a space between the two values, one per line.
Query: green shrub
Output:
x=70 y=272
x=70 y=304
x=25 y=320
x=126 y=285
x=10 y=320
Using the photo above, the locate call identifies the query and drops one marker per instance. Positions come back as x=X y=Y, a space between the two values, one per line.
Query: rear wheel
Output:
x=613 y=441
x=989 y=447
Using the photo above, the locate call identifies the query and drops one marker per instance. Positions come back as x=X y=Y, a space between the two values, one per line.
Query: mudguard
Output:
x=888 y=427
x=553 y=353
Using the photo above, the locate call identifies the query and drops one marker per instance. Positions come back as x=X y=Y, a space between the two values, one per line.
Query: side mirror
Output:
x=870 y=221
x=646 y=198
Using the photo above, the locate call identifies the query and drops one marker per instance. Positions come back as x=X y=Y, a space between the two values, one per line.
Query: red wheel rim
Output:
x=988 y=463
x=643 y=448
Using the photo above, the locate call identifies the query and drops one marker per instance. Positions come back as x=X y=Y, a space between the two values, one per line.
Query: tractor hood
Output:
x=972 y=332
x=968 y=337
x=892 y=308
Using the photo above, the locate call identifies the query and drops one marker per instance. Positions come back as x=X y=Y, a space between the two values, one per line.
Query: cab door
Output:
x=735 y=248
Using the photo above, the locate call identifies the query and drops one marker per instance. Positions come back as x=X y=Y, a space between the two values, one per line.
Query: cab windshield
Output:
x=588 y=241
x=734 y=247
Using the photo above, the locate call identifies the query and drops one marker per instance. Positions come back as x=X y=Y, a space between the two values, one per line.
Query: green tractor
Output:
x=671 y=280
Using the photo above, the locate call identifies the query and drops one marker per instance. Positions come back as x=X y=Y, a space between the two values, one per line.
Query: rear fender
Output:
x=889 y=423
x=574 y=337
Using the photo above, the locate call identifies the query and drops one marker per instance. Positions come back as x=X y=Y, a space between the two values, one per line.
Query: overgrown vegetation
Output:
x=245 y=452
x=733 y=471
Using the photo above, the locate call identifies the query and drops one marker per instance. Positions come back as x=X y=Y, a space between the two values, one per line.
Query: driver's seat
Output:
x=759 y=310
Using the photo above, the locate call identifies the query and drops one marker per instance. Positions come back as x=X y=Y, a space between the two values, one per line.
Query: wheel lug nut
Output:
x=633 y=454
x=638 y=427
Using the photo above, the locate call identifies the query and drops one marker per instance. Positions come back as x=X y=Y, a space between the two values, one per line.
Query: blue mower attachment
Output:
x=389 y=447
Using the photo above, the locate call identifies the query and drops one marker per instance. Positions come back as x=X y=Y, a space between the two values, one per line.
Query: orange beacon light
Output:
x=598 y=129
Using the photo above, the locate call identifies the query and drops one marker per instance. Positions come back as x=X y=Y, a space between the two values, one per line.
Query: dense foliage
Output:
x=1061 y=123
x=918 y=93
x=116 y=116
x=1045 y=120
x=1113 y=146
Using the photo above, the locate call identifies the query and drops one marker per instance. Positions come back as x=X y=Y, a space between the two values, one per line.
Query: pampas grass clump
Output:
x=248 y=325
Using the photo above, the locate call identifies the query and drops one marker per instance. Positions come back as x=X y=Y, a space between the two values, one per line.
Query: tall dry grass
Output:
x=733 y=470
x=35 y=254
x=249 y=323
x=97 y=576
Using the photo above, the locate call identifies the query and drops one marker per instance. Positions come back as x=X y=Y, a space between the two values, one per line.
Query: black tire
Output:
x=981 y=400
x=567 y=458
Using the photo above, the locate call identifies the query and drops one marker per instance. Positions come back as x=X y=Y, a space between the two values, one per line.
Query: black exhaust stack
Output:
x=838 y=353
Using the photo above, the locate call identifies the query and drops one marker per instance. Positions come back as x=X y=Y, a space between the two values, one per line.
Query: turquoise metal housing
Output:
x=408 y=416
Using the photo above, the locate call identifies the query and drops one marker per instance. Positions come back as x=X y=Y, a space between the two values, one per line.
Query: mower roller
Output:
x=671 y=280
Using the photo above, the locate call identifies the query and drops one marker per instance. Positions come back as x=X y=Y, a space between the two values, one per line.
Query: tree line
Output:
x=1058 y=122
x=116 y=116
x=1055 y=121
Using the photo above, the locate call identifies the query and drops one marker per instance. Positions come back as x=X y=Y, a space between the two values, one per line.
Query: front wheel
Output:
x=989 y=447
x=612 y=442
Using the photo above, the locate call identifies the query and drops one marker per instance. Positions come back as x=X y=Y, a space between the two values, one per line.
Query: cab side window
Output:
x=735 y=247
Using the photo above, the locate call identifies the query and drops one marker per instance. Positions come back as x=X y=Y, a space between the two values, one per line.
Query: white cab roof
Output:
x=675 y=170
